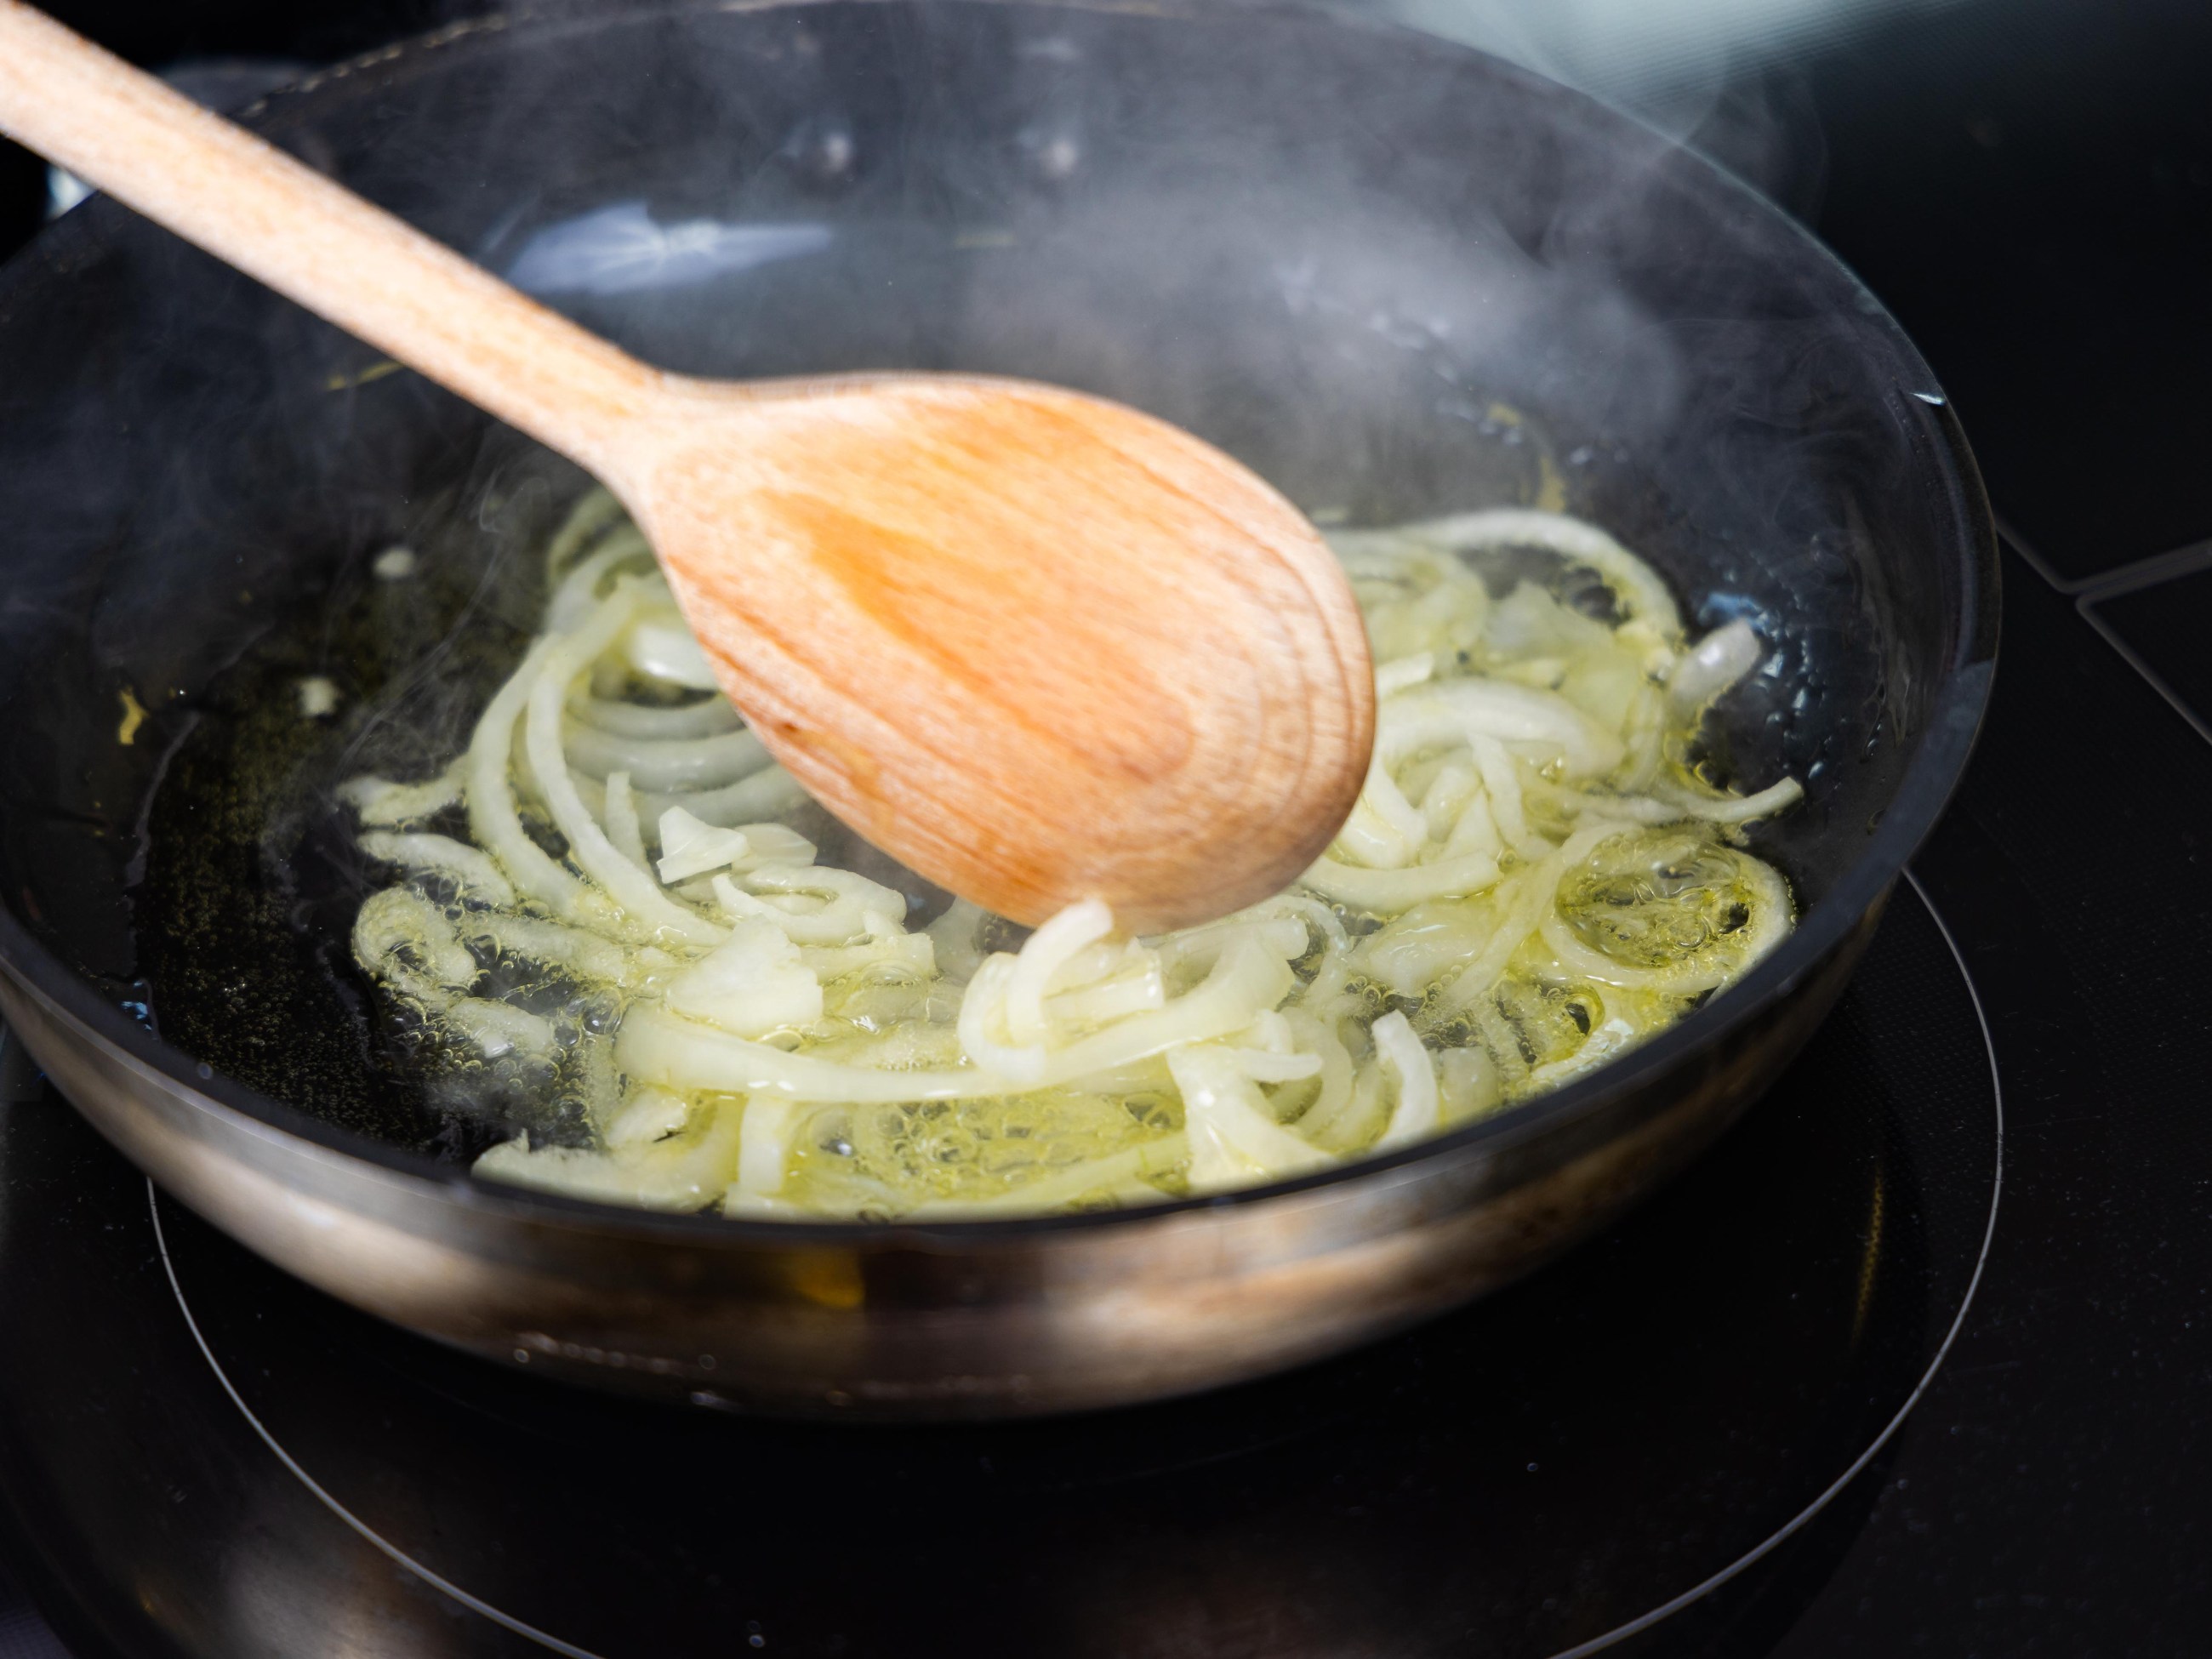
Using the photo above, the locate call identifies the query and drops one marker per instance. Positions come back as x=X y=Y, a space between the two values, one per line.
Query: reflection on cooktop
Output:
x=2158 y=617
x=1532 y=1476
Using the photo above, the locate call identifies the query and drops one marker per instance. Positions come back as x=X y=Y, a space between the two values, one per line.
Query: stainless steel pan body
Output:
x=1397 y=277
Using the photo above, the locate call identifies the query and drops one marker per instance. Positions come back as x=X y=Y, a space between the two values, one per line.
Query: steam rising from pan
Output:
x=1453 y=295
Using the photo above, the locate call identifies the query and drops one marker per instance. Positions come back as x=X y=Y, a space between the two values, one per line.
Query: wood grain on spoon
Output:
x=1038 y=646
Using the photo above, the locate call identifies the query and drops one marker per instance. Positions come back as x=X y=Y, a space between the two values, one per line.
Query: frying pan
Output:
x=1397 y=277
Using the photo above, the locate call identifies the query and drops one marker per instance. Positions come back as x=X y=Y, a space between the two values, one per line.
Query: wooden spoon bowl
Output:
x=1048 y=648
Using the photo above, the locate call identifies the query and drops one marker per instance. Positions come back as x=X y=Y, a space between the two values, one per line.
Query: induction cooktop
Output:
x=1917 y=1359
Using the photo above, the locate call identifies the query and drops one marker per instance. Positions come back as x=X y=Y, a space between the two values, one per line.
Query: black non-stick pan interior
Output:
x=1395 y=278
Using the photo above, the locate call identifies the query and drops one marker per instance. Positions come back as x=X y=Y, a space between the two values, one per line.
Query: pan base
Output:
x=1548 y=1470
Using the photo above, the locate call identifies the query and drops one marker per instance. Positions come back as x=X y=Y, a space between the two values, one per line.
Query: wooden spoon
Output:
x=1037 y=646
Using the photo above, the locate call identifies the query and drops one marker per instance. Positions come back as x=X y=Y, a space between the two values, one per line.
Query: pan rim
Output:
x=1958 y=701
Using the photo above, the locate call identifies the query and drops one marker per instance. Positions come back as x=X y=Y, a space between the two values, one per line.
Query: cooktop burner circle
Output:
x=1543 y=1473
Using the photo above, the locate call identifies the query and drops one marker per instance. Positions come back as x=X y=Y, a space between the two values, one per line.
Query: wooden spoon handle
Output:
x=313 y=241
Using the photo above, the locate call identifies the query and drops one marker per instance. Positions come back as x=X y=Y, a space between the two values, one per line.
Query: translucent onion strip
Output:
x=493 y=819
x=664 y=765
x=707 y=717
x=472 y=873
x=1639 y=589
x=629 y=886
